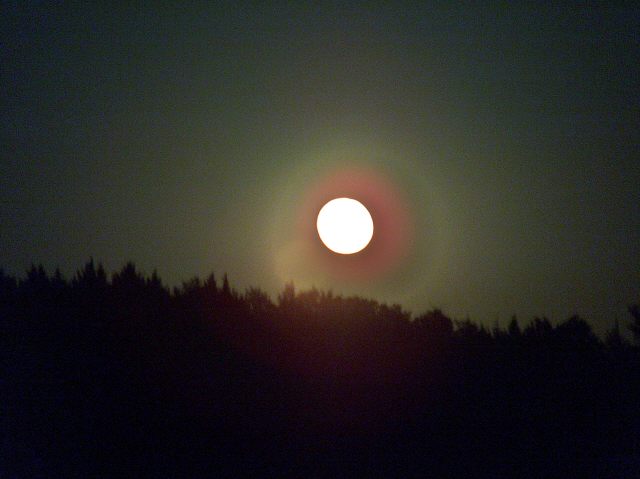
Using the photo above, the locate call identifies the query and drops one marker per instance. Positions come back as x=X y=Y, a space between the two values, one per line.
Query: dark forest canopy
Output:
x=37 y=280
x=121 y=375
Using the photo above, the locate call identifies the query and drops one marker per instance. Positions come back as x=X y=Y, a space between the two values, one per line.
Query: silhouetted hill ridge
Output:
x=121 y=376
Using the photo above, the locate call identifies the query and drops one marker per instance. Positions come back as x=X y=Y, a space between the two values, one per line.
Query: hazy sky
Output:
x=190 y=139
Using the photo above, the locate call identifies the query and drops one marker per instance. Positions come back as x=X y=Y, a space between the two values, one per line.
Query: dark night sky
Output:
x=186 y=139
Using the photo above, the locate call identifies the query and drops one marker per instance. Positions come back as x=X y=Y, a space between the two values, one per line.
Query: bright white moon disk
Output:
x=345 y=226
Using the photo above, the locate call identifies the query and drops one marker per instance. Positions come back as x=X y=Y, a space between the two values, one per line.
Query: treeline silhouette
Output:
x=124 y=377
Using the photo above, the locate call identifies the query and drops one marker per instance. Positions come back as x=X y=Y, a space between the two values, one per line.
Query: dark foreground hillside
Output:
x=122 y=378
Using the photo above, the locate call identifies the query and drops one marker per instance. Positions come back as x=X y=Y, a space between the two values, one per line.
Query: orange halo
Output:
x=390 y=214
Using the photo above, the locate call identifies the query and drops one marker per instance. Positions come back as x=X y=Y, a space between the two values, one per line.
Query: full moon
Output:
x=345 y=226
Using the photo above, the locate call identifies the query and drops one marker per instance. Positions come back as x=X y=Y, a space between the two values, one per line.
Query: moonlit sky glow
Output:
x=496 y=147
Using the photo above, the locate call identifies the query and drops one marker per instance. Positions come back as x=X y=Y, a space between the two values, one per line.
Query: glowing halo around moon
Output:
x=299 y=252
x=345 y=225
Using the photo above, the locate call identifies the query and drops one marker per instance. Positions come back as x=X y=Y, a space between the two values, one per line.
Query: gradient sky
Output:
x=187 y=138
